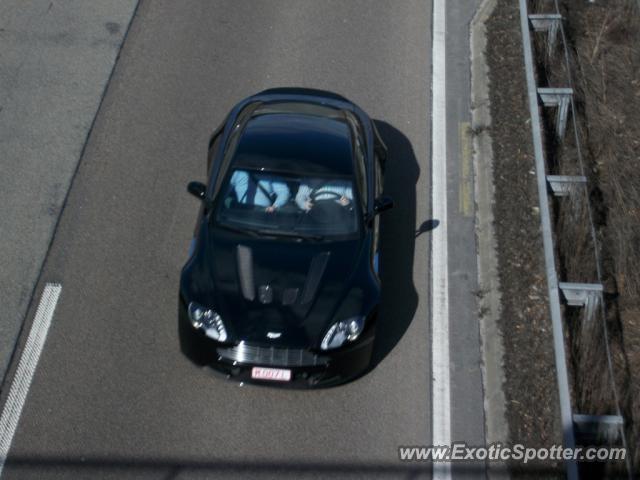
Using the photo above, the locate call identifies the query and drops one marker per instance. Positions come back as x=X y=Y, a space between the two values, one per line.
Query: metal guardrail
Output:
x=547 y=240
x=586 y=295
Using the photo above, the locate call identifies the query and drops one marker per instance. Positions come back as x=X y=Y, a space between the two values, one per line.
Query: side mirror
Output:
x=382 y=204
x=197 y=189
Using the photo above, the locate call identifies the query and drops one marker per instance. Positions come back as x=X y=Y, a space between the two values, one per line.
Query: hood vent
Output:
x=244 y=256
x=265 y=294
x=289 y=296
x=316 y=270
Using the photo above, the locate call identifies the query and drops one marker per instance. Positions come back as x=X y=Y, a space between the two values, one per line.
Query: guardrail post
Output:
x=561 y=184
x=547 y=22
x=560 y=98
x=592 y=428
x=587 y=295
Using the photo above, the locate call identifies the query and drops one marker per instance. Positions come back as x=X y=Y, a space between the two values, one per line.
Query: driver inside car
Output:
x=339 y=191
x=268 y=192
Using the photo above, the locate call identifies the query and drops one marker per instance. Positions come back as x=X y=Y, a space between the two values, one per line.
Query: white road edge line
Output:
x=26 y=368
x=440 y=386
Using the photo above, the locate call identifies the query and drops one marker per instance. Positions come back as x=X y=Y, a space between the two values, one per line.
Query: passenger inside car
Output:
x=268 y=192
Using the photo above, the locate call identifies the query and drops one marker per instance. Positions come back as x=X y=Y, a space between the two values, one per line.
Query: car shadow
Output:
x=397 y=241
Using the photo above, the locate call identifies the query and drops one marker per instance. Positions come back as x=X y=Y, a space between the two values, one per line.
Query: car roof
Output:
x=314 y=139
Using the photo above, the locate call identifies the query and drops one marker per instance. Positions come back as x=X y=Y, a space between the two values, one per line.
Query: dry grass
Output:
x=604 y=45
x=609 y=80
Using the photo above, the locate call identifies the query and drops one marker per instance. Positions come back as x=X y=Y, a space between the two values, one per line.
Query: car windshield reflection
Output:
x=267 y=202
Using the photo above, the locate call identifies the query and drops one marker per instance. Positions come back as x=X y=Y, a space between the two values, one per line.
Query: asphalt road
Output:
x=112 y=396
x=55 y=61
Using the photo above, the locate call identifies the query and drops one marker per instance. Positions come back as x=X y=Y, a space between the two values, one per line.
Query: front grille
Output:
x=281 y=357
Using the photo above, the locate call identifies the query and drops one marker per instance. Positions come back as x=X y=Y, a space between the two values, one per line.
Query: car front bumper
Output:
x=308 y=369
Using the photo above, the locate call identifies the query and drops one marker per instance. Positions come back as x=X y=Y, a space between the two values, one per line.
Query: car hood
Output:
x=282 y=292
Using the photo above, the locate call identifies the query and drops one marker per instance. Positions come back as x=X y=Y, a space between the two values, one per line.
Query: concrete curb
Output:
x=490 y=334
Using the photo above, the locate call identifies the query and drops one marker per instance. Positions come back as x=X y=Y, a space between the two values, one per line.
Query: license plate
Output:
x=275 y=374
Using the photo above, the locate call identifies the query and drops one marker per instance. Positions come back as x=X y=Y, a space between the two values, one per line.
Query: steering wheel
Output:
x=330 y=196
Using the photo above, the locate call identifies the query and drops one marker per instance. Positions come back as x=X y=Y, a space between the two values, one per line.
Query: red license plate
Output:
x=275 y=374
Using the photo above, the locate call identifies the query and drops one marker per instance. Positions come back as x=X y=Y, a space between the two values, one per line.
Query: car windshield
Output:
x=259 y=201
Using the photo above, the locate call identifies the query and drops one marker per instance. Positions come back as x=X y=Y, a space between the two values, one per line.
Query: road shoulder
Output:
x=57 y=59
x=491 y=335
x=530 y=384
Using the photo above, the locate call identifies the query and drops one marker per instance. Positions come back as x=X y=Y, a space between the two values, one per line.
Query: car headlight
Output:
x=208 y=321
x=341 y=332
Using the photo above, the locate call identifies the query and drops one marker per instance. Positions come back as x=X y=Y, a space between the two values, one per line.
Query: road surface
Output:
x=112 y=397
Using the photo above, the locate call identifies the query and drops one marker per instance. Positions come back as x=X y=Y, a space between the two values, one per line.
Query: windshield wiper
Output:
x=289 y=234
x=246 y=231
x=256 y=232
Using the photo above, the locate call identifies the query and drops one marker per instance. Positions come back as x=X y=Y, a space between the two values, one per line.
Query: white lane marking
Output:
x=440 y=386
x=26 y=368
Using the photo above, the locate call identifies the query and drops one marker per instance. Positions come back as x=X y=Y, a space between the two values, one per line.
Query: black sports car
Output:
x=281 y=285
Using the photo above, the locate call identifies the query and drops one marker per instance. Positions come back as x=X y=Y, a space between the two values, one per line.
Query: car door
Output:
x=361 y=173
x=368 y=180
x=380 y=159
x=214 y=144
x=378 y=186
